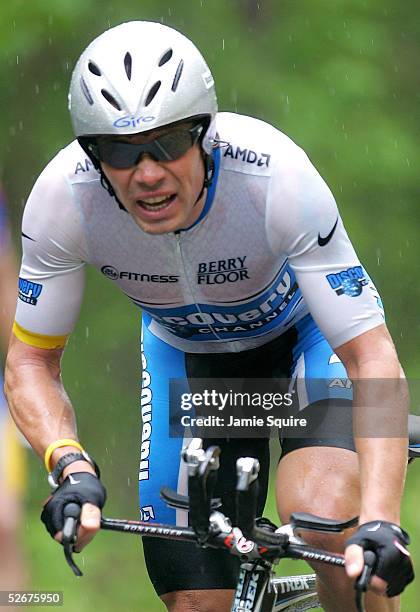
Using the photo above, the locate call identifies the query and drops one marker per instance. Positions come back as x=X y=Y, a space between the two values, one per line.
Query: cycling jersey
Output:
x=268 y=248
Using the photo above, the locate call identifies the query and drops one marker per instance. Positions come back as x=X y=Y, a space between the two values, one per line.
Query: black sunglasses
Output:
x=167 y=147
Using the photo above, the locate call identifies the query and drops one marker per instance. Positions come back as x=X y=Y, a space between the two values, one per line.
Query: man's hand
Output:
x=87 y=491
x=393 y=570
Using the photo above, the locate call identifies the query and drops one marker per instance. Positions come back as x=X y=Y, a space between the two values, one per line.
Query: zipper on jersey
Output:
x=190 y=288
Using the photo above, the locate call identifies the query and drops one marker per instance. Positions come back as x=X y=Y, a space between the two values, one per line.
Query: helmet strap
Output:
x=208 y=174
x=109 y=188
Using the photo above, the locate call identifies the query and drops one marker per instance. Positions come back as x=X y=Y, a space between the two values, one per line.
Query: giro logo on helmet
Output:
x=128 y=121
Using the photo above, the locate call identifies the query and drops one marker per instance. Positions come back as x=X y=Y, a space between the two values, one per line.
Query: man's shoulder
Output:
x=73 y=163
x=253 y=146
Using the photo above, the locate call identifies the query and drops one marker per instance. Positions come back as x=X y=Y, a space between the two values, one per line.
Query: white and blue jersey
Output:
x=268 y=249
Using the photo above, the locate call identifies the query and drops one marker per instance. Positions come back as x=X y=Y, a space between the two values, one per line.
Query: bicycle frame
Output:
x=258 y=591
x=295 y=593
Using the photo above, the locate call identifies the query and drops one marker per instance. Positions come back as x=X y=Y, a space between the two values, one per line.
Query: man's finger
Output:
x=354 y=566
x=90 y=522
x=90 y=518
x=354 y=560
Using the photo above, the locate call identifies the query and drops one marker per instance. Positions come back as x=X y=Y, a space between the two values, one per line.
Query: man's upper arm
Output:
x=21 y=354
x=51 y=279
x=370 y=348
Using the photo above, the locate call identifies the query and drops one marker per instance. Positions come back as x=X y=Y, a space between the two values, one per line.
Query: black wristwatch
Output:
x=54 y=476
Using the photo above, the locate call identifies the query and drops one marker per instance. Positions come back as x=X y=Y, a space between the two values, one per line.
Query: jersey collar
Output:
x=210 y=191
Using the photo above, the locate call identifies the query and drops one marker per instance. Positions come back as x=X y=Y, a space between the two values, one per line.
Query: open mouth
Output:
x=155 y=204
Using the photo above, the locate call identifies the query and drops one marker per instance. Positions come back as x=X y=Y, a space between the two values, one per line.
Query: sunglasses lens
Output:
x=167 y=147
x=118 y=154
x=175 y=144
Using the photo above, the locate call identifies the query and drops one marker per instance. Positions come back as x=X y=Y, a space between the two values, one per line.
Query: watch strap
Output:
x=66 y=460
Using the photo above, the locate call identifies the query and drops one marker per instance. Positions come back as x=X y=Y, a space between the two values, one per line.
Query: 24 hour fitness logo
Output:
x=114 y=274
x=348 y=282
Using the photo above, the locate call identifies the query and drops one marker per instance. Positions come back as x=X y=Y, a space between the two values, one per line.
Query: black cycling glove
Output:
x=388 y=541
x=80 y=488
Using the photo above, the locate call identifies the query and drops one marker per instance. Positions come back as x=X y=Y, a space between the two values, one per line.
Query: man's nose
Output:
x=148 y=171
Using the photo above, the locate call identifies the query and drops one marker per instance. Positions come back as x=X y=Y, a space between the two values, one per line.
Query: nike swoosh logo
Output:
x=28 y=237
x=323 y=241
x=374 y=528
x=73 y=481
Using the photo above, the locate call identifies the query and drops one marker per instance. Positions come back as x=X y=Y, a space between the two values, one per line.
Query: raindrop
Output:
x=87 y=331
x=223 y=44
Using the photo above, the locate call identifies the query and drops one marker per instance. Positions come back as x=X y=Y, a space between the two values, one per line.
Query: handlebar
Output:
x=252 y=539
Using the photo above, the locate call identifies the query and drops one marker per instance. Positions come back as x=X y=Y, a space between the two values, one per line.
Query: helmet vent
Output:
x=177 y=75
x=153 y=91
x=86 y=91
x=94 y=68
x=165 y=57
x=110 y=99
x=128 y=62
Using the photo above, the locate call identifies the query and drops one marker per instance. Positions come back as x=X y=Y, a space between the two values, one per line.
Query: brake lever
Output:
x=362 y=583
x=247 y=488
x=71 y=514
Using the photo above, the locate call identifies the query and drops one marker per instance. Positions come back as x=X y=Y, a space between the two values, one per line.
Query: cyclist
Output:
x=218 y=226
x=12 y=567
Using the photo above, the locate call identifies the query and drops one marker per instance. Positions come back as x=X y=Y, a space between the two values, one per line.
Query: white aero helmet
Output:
x=139 y=76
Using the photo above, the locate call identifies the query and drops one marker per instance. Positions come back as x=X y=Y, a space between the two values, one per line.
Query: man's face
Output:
x=160 y=195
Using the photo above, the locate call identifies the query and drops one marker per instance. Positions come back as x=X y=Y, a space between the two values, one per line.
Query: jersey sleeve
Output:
x=51 y=281
x=303 y=221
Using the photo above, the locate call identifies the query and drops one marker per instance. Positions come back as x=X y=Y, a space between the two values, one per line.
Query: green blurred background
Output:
x=341 y=79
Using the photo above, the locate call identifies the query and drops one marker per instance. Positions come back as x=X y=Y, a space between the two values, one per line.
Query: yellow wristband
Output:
x=59 y=444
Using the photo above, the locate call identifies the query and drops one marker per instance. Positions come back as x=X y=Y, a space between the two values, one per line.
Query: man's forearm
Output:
x=380 y=425
x=382 y=472
x=39 y=403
